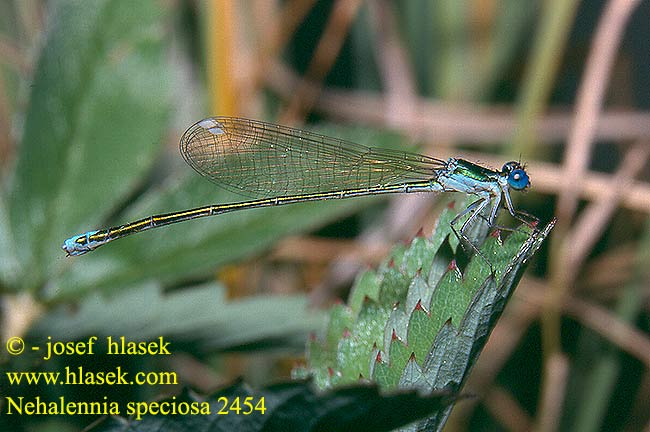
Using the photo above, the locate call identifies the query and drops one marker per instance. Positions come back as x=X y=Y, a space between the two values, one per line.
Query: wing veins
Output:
x=261 y=159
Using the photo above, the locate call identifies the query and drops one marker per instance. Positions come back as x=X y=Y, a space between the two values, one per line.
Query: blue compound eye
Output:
x=518 y=179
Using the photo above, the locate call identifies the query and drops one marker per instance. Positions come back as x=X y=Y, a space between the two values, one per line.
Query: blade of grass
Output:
x=604 y=367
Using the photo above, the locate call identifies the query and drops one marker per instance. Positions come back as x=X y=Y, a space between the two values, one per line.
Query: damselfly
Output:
x=282 y=165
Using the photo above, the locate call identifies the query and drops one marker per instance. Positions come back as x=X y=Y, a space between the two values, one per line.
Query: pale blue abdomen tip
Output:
x=80 y=244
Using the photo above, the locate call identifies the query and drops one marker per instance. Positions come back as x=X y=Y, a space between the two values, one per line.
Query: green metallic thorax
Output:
x=474 y=171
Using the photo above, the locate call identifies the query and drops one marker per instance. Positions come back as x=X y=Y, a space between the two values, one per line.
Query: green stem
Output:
x=539 y=78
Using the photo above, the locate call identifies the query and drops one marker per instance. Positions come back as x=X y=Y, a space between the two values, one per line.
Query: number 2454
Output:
x=243 y=406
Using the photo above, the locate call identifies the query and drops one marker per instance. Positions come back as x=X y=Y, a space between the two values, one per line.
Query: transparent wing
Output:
x=259 y=159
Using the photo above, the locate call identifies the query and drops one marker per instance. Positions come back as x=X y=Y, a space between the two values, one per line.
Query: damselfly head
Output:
x=517 y=177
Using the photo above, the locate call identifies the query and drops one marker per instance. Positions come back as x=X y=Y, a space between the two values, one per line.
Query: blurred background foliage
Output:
x=95 y=94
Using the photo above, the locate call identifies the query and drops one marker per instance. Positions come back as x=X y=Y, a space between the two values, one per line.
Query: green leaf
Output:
x=417 y=256
x=10 y=268
x=96 y=118
x=419 y=292
x=436 y=324
x=422 y=329
x=318 y=354
x=354 y=350
x=202 y=315
x=340 y=319
x=366 y=285
x=442 y=231
x=393 y=287
x=412 y=377
x=396 y=326
x=381 y=372
x=290 y=407
x=399 y=354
